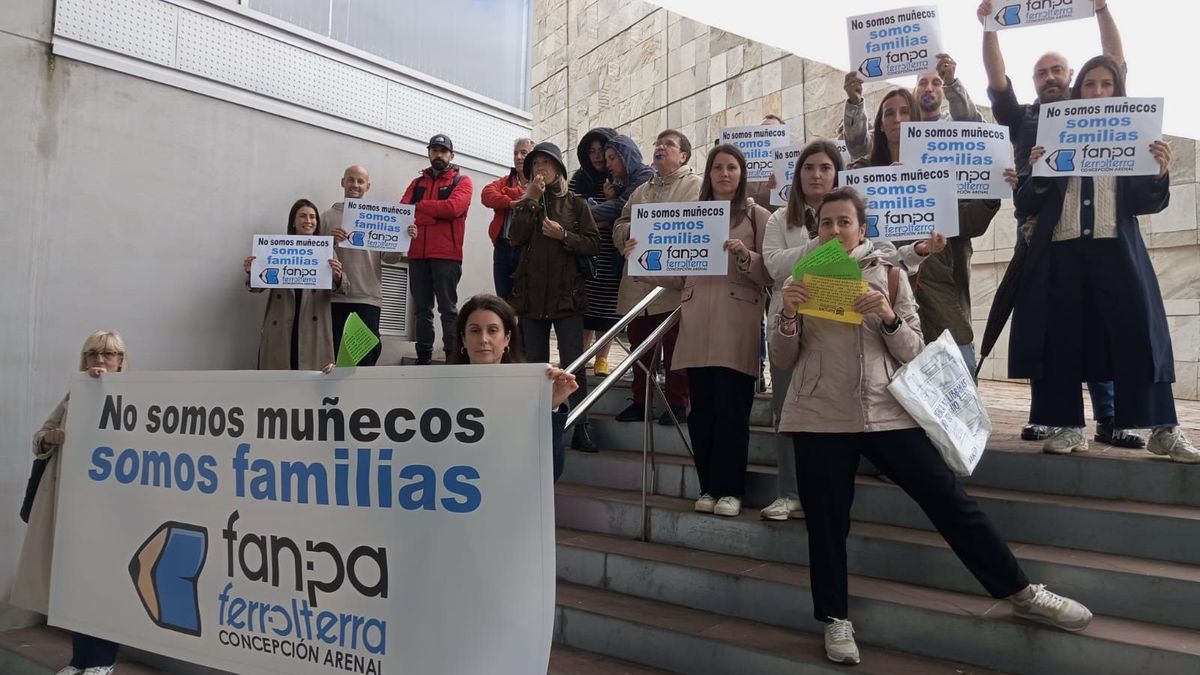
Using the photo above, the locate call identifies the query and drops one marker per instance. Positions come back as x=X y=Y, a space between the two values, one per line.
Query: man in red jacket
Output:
x=499 y=195
x=442 y=195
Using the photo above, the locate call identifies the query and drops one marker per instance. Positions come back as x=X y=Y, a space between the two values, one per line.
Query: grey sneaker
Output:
x=839 y=641
x=70 y=670
x=100 y=670
x=782 y=509
x=1038 y=604
x=1171 y=442
x=1066 y=440
x=705 y=504
x=730 y=507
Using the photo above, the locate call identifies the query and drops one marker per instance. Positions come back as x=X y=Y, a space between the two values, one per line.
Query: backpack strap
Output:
x=893 y=274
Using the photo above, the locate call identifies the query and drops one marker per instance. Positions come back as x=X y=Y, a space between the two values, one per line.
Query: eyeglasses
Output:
x=665 y=143
x=107 y=354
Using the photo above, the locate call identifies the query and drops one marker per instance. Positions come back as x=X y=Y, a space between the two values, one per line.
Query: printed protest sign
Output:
x=1023 y=13
x=377 y=226
x=679 y=238
x=300 y=523
x=833 y=299
x=357 y=341
x=979 y=153
x=896 y=42
x=757 y=144
x=785 y=171
x=845 y=150
x=291 y=261
x=906 y=202
x=1099 y=137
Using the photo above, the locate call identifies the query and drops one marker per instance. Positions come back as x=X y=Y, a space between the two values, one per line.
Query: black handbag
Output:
x=31 y=487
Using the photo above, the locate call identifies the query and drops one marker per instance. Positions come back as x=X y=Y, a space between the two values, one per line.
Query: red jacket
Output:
x=441 y=214
x=499 y=196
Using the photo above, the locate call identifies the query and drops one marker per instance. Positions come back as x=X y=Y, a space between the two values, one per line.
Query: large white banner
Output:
x=978 y=152
x=1099 y=137
x=291 y=261
x=758 y=144
x=905 y=202
x=377 y=225
x=1024 y=13
x=679 y=238
x=896 y=42
x=384 y=520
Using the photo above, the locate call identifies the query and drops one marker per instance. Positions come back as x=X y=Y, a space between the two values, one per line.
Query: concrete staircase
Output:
x=1118 y=530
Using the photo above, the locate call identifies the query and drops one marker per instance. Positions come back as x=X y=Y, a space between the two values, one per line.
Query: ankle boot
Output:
x=581 y=439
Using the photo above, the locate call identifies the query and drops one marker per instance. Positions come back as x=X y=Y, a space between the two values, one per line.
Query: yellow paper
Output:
x=832 y=299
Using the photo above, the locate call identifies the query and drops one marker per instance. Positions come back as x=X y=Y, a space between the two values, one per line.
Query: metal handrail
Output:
x=654 y=294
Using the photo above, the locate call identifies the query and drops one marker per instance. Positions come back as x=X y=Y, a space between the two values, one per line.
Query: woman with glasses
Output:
x=103 y=352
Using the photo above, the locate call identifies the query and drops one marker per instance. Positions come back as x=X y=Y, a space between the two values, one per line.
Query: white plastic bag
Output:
x=938 y=391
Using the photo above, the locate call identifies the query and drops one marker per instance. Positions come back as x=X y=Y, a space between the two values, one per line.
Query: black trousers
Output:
x=826 y=465
x=719 y=428
x=430 y=280
x=535 y=333
x=91 y=652
x=340 y=311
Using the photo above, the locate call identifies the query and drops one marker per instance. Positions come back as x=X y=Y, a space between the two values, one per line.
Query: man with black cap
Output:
x=442 y=195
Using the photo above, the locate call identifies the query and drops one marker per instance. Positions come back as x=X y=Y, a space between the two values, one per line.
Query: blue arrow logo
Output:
x=872 y=226
x=1009 y=16
x=1061 y=160
x=165 y=570
x=871 y=67
x=358 y=237
x=270 y=276
x=651 y=260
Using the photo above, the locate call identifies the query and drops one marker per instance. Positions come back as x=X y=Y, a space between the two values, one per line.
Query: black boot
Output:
x=581 y=439
x=424 y=359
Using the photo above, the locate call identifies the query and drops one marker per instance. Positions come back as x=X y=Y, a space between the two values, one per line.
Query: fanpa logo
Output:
x=165 y=570
x=651 y=260
x=358 y=238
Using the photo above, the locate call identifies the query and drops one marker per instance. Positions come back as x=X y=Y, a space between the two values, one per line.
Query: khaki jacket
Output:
x=548 y=283
x=944 y=284
x=31 y=588
x=681 y=186
x=718 y=325
x=841 y=371
x=315 y=334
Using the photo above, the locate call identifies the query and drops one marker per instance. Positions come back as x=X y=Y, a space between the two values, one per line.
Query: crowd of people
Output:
x=1080 y=290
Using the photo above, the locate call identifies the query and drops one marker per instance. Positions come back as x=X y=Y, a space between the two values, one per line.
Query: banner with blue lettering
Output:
x=978 y=152
x=291 y=261
x=894 y=43
x=377 y=225
x=679 y=239
x=1024 y=13
x=1099 y=137
x=906 y=202
x=378 y=520
x=758 y=145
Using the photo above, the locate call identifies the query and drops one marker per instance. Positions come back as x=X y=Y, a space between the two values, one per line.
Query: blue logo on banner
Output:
x=651 y=260
x=872 y=226
x=358 y=237
x=165 y=570
x=1061 y=160
x=270 y=275
x=871 y=67
x=1009 y=16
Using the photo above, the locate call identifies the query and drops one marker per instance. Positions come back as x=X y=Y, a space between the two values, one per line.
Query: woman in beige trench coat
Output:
x=103 y=351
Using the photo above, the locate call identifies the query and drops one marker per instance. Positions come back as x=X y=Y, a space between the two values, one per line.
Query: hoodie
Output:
x=588 y=182
x=636 y=173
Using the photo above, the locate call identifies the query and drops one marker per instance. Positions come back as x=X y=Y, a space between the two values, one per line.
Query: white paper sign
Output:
x=376 y=225
x=978 y=152
x=1099 y=137
x=287 y=522
x=906 y=202
x=679 y=239
x=291 y=261
x=845 y=150
x=896 y=42
x=1013 y=14
x=757 y=144
x=785 y=173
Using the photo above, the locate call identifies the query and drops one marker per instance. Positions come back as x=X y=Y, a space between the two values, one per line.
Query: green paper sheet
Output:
x=357 y=342
x=831 y=259
x=843 y=269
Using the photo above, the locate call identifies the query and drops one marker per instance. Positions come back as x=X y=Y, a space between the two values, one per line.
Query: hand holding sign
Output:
x=875 y=302
x=1161 y=151
x=853 y=85
x=795 y=294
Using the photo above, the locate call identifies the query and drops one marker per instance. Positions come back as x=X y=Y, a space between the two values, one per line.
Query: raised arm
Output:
x=993 y=60
x=1110 y=37
x=854 y=121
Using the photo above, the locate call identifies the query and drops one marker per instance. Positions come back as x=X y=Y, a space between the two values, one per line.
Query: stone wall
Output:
x=640 y=69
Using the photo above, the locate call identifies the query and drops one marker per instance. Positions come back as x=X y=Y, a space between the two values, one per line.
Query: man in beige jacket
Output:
x=673 y=181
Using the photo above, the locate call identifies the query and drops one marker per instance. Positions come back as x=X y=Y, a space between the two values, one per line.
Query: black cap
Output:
x=442 y=140
x=550 y=150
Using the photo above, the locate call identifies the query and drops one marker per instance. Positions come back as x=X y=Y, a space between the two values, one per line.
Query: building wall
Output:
x=130 y=206
x=638 y=68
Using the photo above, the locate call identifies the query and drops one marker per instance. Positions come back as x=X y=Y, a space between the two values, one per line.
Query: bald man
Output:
x=363 y=269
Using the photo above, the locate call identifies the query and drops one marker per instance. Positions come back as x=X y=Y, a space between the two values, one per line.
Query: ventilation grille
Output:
x=394 y=318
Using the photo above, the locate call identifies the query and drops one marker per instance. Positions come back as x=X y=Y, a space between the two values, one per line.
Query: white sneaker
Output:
x=839 y=642
x=705 y=504
x=782 y=509
x=1066 y=440
x=1039 y=604
x=1171 y=442
x=728 y=506
x=70 y=670
x=100 y=670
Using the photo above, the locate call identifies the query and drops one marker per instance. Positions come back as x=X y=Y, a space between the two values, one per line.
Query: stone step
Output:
x=569 y=661
x=1121 y=586
x=927 y=622
x=695 y=642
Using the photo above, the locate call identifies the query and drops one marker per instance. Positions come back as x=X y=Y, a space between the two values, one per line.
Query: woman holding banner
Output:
x=102 y=352
x=718 y=338
x=838 y=408
x=487 y=334
x=297 y=329
x=1089 y=307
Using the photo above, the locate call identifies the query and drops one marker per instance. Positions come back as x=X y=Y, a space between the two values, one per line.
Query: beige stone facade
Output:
x=638 y=68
